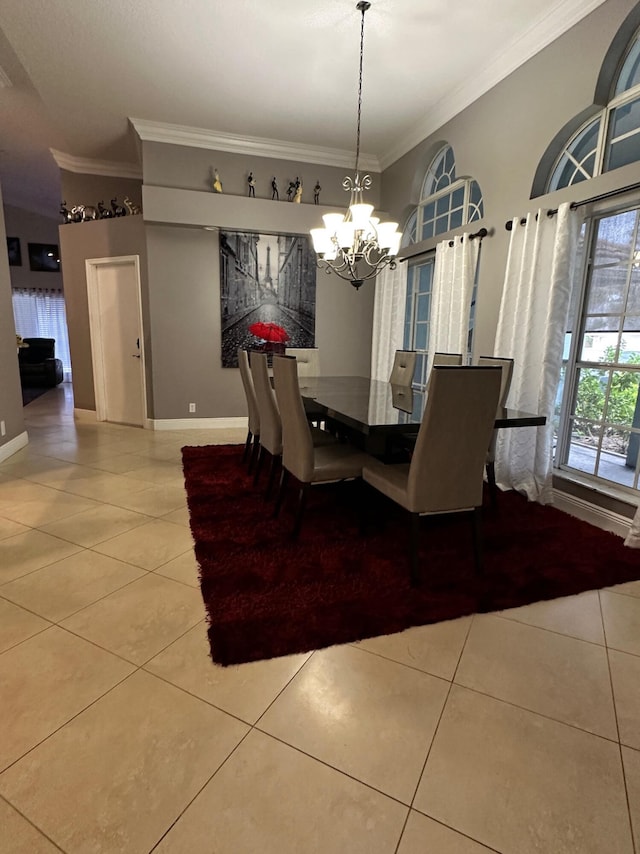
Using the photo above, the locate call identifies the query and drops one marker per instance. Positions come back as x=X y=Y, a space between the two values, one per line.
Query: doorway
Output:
x=115 y=320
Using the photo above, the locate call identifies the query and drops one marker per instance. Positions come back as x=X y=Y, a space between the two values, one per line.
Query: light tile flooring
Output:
x=516 y=732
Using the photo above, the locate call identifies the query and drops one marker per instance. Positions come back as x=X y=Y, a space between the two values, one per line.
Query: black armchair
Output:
x=38 y=364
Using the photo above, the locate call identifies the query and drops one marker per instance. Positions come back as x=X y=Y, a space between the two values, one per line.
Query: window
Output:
x=40 y=313
x=416 y=316
x=446 y=202
x=599 y=433
x=612 y=138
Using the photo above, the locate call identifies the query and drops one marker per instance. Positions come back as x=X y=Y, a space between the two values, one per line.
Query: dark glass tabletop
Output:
x=370 y=406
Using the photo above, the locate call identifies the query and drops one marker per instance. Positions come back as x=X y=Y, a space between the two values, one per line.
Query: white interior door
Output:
x=113 y=288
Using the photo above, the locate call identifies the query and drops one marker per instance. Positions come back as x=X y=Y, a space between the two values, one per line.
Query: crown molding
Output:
x=86 y=166
x=5 y=82
x=191 y=137
x=565 y=15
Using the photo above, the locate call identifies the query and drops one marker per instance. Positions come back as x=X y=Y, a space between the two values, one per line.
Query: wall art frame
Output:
x=267 y=279
x=14 y=252
x=44 y=257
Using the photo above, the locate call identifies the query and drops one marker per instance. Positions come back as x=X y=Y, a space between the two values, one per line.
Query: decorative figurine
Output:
x=105 y=213
x=117 y=209
x=316 y=193
x=217 y=184
x=291 y=190
x=132 y=207
x=298 y=194
x=84 y=213
x=251 y=181
x=66 y=213
x=274 y=190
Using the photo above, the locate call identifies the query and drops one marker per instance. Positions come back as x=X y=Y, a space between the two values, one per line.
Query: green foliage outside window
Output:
x=621 y=408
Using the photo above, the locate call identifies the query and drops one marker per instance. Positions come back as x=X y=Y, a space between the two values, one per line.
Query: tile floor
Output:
x=516 y=732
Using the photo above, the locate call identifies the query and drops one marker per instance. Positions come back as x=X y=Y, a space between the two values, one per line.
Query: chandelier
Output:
x=356 y=246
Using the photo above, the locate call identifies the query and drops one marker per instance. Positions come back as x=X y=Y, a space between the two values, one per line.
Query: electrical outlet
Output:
x=192 y=407
x=3 y=428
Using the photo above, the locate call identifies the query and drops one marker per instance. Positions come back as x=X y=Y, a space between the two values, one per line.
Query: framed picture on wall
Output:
x=267 y=292
x=13 y=251
x=44 y=257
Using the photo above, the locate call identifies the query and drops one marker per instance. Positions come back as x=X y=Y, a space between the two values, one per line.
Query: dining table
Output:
x=377 y=414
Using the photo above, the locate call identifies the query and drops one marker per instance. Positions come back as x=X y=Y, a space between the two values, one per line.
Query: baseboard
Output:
x=84 y=414
x=197 y=423
x=600 y=517
x=13 y=446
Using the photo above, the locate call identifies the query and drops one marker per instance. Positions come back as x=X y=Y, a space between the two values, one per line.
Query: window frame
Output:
x=605 y=117
x=470 y=211
x=410 y=324
x=575 y=364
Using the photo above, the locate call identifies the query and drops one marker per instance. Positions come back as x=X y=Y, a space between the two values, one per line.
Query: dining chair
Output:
x=446 y=468
x=309 y=464
x=253 y=433
x=404 y=366
x=308 y=360
x=440 y=359
x=447 y=359
x=270 y=421
x=506 y=365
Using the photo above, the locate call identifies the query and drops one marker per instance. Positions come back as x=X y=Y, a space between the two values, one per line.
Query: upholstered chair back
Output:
x=249 y=392
x=507 y=373
x=297 y=442
x=270 y=424
x=404 y=366
x=447 y=359
x=308 y=359
x=446 y=467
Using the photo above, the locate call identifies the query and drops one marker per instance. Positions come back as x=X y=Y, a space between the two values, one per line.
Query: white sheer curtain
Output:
x=453 y=277
x=40 y=313
x=388 y=320
x=633 y=537
x=531 y=330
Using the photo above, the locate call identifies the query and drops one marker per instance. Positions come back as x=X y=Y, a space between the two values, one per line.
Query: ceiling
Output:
x=75 y=71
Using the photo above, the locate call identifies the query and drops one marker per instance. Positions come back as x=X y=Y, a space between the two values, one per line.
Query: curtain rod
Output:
x=480 y=234
x=608 y=195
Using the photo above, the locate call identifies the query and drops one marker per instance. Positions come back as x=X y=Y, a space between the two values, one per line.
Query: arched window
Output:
x=446 y=202
x=610 y=139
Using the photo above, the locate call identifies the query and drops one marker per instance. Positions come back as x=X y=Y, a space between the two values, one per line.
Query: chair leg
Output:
x=477 y=538
x=491 y=481
x=302 y=500
x=247 y=446
x=259 y=462
x=284 y=477
x=414 y=540
x=275 y=461
x=254 y=453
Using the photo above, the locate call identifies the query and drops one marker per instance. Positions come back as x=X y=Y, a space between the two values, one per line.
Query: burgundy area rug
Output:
x=267 y=595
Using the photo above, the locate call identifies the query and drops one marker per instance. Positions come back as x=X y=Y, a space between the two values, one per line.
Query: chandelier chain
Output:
x=356 y=246
x=363 y=8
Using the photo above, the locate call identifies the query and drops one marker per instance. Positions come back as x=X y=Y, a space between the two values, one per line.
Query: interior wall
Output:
x=11 y=411
x=31 y=228
x=499 y=140
x=184 y=300
x=104 y=238
x=192 y=168
x=79 y=189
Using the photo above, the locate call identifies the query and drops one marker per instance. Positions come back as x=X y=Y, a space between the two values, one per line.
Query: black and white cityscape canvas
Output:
x=269 y=279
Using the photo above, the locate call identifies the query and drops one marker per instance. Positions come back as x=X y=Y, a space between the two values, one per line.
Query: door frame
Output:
x=92 y=267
